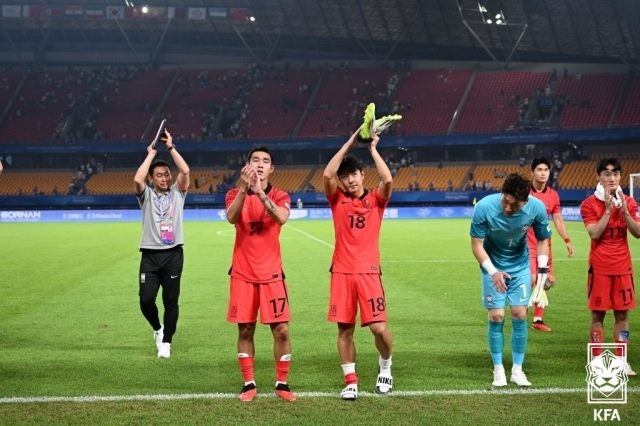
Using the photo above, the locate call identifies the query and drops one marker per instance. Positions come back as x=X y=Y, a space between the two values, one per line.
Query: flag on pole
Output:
x=115 y=12
x=30 y=11
x=238 y=14
x=177 y=12
x=53 y=11
x=218 y=12
x=73 y=10
x=11 y=11
x=94 y=12
x=156 y=13
x=197 y=13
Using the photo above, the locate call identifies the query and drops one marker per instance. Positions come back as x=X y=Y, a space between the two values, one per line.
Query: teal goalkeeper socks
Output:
x=495 y=335
x=518 y=340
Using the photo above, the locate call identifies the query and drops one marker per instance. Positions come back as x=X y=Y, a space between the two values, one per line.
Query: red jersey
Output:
x=610 y=254
x=256 y=253
x=551 y=201
x=357 y=222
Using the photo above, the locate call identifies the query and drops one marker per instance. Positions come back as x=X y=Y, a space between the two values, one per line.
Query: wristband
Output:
x=169 y=148
x=567 y=240
x=488 y=266
x=543 y=261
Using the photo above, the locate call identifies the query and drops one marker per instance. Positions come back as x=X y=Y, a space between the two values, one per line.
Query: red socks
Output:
x=246 y=367
x=282 y=368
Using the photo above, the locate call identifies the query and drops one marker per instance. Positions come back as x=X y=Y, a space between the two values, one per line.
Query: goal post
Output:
x=634 y=186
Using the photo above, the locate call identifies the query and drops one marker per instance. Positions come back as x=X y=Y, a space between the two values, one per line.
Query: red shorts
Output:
x=349 y=290
x=615 y=292
x=247 y=298
x=533 y=263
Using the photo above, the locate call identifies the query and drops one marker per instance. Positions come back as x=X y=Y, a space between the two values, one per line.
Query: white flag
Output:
x=197 y=12
x=115 y=12
x=11 y=11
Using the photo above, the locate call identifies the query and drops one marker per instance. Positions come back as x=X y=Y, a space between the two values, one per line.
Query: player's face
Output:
x=609 y=179
x=352 y=183
x=261 y=163
x=510 y=205
x=541 y=173
x=161 y=178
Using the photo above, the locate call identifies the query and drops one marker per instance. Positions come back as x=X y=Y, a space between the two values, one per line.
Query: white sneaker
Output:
x=384 y=384
x=350 y=393
x=630 y=372
x=499 y=377
x=164 y=350
x=158 y=336
x=518 y=377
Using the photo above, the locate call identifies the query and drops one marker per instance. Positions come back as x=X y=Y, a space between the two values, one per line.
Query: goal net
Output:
x=634 y=186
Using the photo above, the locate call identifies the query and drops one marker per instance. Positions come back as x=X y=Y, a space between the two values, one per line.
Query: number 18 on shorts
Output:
x=350 y=290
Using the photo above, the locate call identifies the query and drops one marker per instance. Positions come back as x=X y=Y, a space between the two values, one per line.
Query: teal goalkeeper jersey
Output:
x=505 y=237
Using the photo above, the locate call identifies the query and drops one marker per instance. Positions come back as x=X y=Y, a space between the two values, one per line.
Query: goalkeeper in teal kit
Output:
x=499 y=242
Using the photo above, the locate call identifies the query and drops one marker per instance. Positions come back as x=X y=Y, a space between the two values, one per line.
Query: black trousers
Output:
x=161 y=268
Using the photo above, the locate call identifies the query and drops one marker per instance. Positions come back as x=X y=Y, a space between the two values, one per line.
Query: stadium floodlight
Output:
x=498 y=16
x=489 y=21
x=145 y=9
x=499 y=22
x=252 y=18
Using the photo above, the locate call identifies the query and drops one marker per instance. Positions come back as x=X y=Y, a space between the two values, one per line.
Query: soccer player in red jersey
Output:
x=540 y=168
x=608 y=215
x=258 y=211
x=355 y=269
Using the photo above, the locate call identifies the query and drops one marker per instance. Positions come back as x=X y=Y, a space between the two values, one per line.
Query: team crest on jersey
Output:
x=525 y=228
x=489 y=299
x=366 y=205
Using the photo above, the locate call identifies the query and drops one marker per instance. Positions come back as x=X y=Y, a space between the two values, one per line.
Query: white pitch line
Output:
x=311 y=236
x=176 y=397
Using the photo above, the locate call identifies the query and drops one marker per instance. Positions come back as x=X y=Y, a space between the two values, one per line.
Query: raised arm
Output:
x=278 y=214
x=234 y=210
x=595 y=230
x=139 y=180
x=384 y=188
x=183 y=168
x=329 y=177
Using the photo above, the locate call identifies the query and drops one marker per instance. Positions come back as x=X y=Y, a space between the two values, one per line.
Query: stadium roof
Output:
x=600 y=31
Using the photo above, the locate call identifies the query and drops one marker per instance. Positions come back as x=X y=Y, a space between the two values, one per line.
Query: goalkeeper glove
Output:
x=538 y=295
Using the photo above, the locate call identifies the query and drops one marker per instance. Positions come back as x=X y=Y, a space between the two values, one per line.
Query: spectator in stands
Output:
x=416 y=186
x=468 y=187
x=487 y=186
x=409 y=187
x=479 y=185
x=565 y=72
x=431 y=187
x=310 y=188
x=35 y=190
x=496 y=173
x=55 y=190
x=449 y=185
x=20 y=191
x=210 y=188
x=196 y=183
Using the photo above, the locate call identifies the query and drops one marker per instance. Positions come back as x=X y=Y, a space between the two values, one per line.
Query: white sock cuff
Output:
x=243 y=355
x=348 y=368
x=286 y=357
x=384 y=364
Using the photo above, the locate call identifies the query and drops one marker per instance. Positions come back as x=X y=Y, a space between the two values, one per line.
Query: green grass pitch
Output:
x=70 y=326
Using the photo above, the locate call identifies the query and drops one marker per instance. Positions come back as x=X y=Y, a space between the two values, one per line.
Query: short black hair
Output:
x=540 y=160
x=158 y=163
x=603 y=163
x=260 y=148
x=349 y=165
x=517 y=186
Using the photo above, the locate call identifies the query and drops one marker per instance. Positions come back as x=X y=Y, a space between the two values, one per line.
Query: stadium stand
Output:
x=125 y=112
x=429 y=98
x=591 y=99
x=189 y=105
x=290 y=180
x=437 y=176
x=13 y=182
x=495 y=173
x=276 y=107
x=582 y=174
x=491 y=100
x=339 y=103
x=40 y=105
x=629 y=111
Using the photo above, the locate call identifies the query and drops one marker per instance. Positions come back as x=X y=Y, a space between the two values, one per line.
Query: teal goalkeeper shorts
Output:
x=518 y=292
